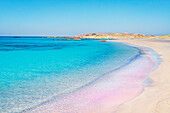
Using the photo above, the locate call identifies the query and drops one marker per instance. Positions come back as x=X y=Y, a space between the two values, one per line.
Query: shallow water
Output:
x=34 y=70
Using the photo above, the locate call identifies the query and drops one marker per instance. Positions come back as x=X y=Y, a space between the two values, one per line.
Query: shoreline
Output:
x=103 y=91
x=155 y=98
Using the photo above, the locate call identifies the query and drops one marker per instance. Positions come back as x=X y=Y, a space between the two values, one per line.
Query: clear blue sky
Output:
x=72 y=17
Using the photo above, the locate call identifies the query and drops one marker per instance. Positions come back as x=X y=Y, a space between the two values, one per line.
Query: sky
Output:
x=73 y=17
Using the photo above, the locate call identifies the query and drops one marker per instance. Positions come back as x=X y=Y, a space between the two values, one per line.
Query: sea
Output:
x=34 y=70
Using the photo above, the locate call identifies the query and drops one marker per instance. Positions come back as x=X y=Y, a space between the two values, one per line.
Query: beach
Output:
x=155 y=98
x=122 y=76
x=110 y=92
x=85 y=56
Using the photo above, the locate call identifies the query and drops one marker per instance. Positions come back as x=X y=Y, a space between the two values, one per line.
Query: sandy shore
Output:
x=126 y=90
x=156 y=98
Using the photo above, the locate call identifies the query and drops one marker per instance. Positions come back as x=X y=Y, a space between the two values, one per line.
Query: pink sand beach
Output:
x=109 y=92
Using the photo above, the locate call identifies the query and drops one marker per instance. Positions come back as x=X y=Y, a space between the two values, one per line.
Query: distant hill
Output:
x=118 y=35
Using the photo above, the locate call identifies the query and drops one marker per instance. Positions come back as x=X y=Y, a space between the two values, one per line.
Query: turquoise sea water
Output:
x=34 y=70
